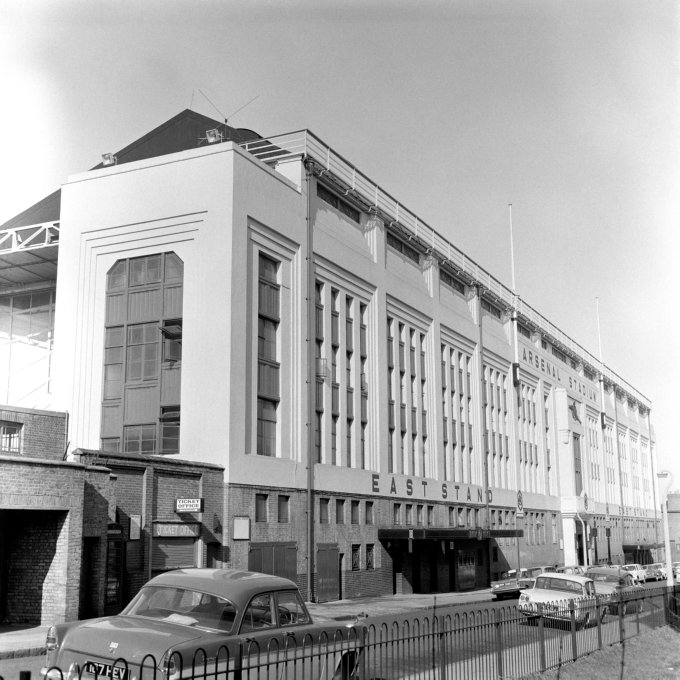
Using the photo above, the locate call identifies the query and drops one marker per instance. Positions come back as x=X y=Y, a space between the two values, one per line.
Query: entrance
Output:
x=328 y=576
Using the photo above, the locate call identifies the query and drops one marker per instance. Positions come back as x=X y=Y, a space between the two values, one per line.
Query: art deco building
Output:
x=281 y=367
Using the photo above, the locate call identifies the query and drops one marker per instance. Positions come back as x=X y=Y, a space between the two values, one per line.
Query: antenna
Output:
x=213 y=105
x=242 y=107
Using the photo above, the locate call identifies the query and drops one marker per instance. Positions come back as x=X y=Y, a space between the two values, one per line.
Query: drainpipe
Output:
x=585 y=539
x=310 y=384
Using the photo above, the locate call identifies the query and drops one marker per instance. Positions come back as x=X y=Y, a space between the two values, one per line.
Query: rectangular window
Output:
x=369 y=512
x=409 y=513
x=356 y=557
x=142 y=352
x=145 y=270
x=261 y=507
x=139 y=439
x=370 y=558
x=266 y=427
x=169 y=429
x=113 y=362
x=340 y=205
x=340 y=511
x=172 y=340
x=10 y=435
x=451 y=281
x=403 y=248
x=396 y=513
x=323 y=510
x=430 y=515
x=284 y=502
x=355 y=512
x=419 y=515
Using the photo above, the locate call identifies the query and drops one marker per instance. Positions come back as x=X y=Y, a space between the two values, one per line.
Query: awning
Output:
x=445 y=533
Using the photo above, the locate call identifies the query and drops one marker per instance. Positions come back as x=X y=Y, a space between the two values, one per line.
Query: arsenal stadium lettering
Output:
x=423 y=489
x=551 y=370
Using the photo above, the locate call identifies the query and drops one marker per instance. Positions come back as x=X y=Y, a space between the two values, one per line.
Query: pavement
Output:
x=18 y=641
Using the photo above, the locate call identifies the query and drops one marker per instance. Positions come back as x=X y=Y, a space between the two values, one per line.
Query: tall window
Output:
x=261 y=507
x=267 y=354
x=142 y=353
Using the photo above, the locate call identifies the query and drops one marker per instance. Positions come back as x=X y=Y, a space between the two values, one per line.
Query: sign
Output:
x=175 y=530
x=520 y=505
x=241 y=528
x=135 y=527
x=188 y=505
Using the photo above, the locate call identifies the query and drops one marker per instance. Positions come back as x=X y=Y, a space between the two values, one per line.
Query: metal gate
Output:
x=328 y=586
x=276 y=558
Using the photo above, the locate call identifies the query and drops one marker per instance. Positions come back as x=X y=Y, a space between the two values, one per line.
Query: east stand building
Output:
x=218 y=349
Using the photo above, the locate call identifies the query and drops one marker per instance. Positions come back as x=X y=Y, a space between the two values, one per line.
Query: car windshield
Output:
x=184 y=607
x=548 y=583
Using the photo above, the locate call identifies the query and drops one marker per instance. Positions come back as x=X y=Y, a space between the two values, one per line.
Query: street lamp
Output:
x=667 y=478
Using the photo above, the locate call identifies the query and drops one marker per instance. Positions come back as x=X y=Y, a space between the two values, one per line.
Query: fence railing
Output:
x=495 y=642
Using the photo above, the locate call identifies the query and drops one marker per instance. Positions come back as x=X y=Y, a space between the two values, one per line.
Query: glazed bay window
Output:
x=142 y=354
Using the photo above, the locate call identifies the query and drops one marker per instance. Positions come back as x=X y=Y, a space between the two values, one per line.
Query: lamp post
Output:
x=667 y=478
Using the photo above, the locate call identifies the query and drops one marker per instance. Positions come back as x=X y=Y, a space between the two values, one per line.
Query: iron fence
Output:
x=499 y=642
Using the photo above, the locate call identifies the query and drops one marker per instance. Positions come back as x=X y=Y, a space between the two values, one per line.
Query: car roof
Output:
x=567 y=577
x=607 y=569
x=233 y=584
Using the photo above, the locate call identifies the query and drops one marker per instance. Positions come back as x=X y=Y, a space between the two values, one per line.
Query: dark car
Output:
x=620 y=588
x=203 y=623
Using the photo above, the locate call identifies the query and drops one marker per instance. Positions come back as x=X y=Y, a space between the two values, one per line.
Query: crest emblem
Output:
x=113 y=647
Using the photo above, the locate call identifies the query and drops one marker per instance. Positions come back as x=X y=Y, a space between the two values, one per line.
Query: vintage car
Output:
x=638 y=571
x=207 y=623
x=617 y=585
x=553 y=594
x=656 y=572
x=509 y=584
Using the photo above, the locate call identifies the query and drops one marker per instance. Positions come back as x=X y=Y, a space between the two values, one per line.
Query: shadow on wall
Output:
x=31 y=569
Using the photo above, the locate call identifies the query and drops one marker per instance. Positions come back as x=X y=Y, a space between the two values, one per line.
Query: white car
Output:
x=553 y=594
x=638 y=571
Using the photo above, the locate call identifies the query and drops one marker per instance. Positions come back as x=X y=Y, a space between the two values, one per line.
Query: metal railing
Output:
x=443 y=644
x=304 y=144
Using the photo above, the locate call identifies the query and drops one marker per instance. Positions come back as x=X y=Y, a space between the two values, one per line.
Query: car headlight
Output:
x=51 y=641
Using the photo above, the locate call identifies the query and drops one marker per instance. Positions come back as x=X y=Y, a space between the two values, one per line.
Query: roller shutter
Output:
x=173 y=553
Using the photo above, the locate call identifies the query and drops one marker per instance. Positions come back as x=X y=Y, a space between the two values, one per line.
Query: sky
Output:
x=568 y=110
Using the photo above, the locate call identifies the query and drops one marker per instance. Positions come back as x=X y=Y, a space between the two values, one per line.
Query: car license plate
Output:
x=105 y=670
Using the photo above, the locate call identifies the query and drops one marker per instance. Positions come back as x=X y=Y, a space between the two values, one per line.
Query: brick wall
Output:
x=43 y=434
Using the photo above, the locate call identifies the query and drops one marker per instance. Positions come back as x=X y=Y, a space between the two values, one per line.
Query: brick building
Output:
x=258 y=330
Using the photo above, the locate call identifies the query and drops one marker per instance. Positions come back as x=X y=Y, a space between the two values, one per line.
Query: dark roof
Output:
x=184 y=131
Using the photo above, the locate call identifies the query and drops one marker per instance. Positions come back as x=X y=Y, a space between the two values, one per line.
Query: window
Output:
x=451 y=281
x=355 y=512
x=323 y=510
x=142 y=352
x=266 y=427
x=369 y=512
x=370 y=558
x=396 y=513
x=491 y=309
x=169 y=429
x=284 y=502
x=409 y=513
x=139 y=439
x=419 y=515
x=113 y=362
x=403 y=248
x=10 y=435
x=172 y=340
x=145 y=270
x=340 y=511
x=261 y=507
x=356 y=557
x=268 y=367
x=333 y=200
x=430 y=515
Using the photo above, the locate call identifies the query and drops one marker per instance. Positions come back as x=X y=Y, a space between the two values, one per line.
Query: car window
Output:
x=290 y=609
x=258 y=614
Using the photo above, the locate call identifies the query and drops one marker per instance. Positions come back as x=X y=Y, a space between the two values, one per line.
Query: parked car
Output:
x=528 y=580
x=553 y=593
x=511 y=584
x=638 y=571
x=618 y=586
x=508 y=585
x=571 y=569
x=197 y=623
x=656 y=572
x=676 y=569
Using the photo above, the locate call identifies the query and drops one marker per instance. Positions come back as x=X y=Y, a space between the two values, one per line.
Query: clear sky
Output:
x=568 y=110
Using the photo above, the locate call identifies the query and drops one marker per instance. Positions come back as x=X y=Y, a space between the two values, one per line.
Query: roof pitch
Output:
x=184 y=131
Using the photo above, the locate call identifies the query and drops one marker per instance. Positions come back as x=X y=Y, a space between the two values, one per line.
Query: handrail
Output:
x=305 y=144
